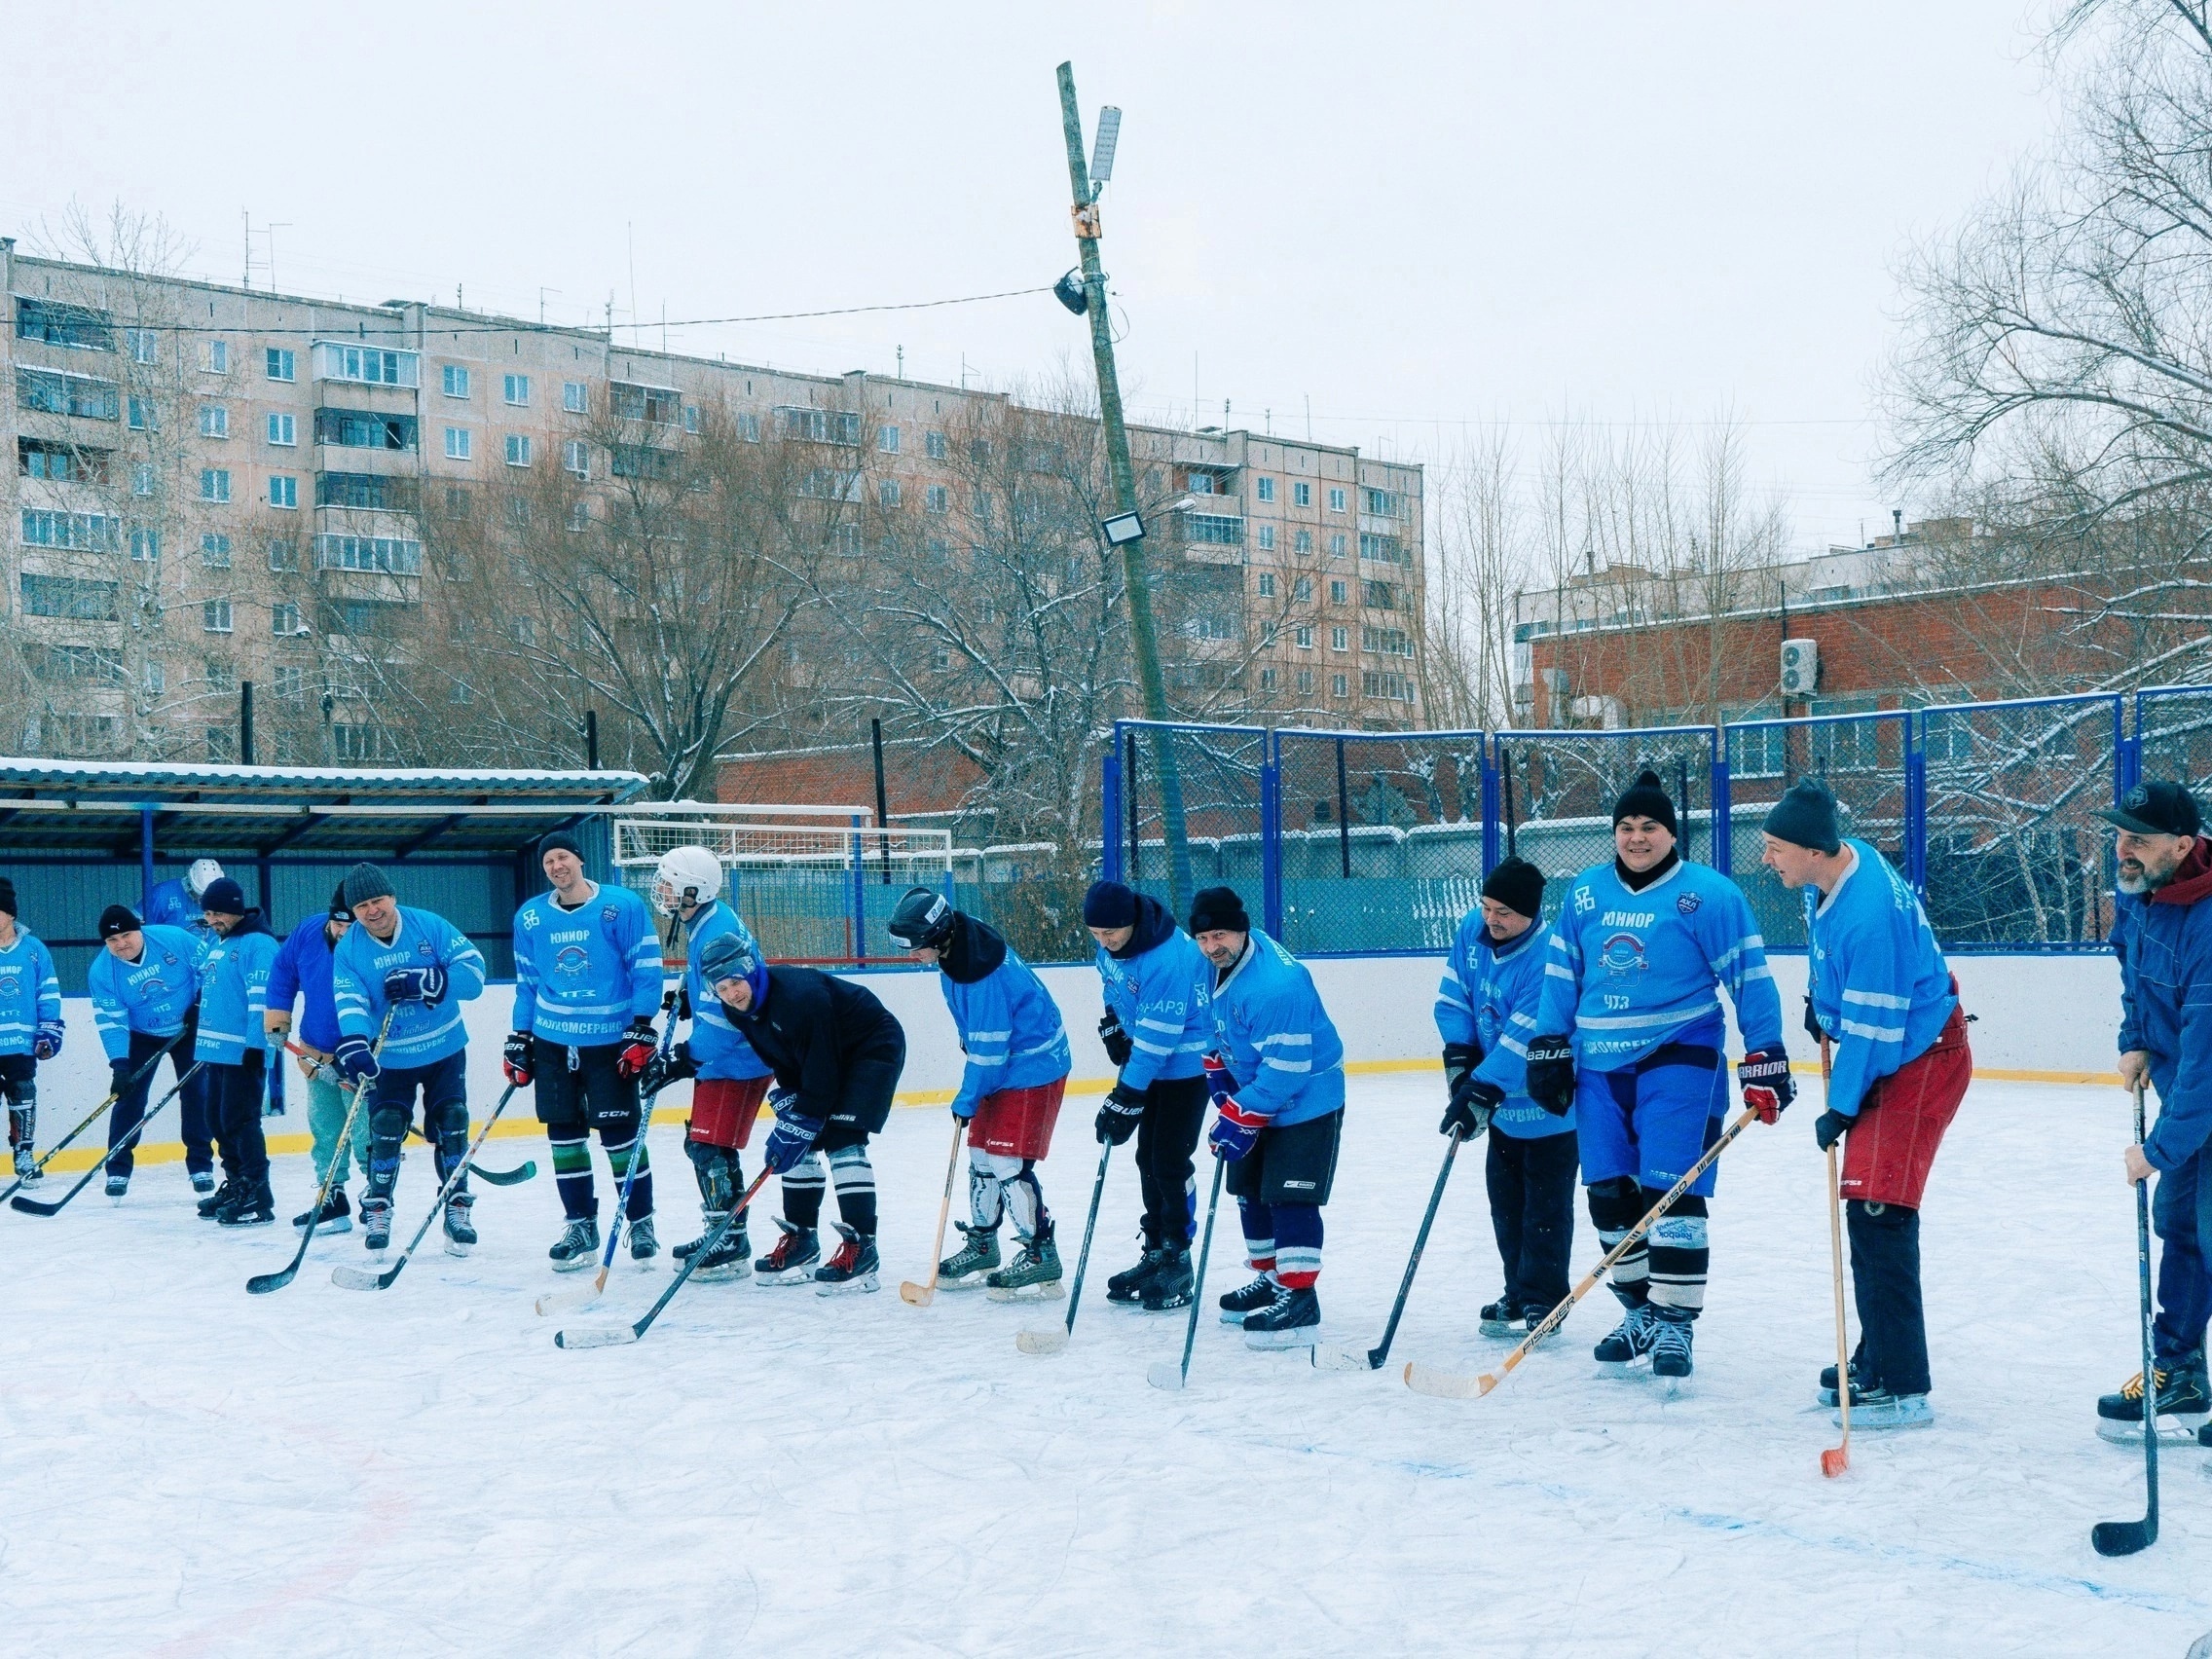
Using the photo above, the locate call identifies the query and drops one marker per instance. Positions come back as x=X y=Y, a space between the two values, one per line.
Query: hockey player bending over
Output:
x=838 y=1054
x=730 y=1080
x=1010 y=1093
x=419 y=967
x=587 y=982
x=1882 y=992
x=1486 y=1013
x=1277 y=1082
x=1631 y=1039
x=1157 y=1028
x=31 y=1028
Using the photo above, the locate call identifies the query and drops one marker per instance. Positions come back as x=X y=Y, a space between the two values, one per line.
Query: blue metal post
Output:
x=1916 y=801
x=1110 y=810
x=2128 y=752
x=145 y=858
x=1720 y=813
x=1490 y=823
x=1270 y=839
x=860 y=893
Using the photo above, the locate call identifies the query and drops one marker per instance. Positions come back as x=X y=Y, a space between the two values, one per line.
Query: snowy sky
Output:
x=1405 y=217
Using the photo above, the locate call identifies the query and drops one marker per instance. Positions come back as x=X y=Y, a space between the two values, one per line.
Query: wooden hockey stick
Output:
x=922 y=1295
x=1836 y=1459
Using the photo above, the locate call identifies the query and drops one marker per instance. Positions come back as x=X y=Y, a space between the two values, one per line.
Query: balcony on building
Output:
x=375 y=442
x=366 y=370
x=1210 y=528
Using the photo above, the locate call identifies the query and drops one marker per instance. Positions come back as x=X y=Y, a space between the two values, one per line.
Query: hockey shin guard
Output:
x=571 y=1171
x=22 y=1125
x=1615 y=1208
x=1297 y=1245
x=986 y=1187
x=855 y=1180
x=803 y=1186
x=387 y=1127
x=718 y=1175
x=1032 y=1221
x=452 y=1139
x=1680 y=1254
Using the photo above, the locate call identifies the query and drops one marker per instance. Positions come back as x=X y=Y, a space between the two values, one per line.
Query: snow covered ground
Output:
x=188 y=1470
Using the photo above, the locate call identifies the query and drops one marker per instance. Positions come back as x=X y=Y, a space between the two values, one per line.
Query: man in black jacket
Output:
x=836 y=1052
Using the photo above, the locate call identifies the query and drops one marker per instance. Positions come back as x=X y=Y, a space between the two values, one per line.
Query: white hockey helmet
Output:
x=685 y=877
x=202 y=874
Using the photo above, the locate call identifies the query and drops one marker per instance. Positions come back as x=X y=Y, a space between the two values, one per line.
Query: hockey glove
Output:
x=1551 y=1074
x=1471 y=1107
x=793 y=1135
x=1118 y=1047
x=1221 y=1082
x=118 y=1074
x=1236 y=1132
x=966 y=1119
x=1118 y=1116
x=664 y=1069
x=1459 y=1062
x=1813 y=1021
x=638 y=1043
x=355 y=1061
x=48 y=1043
x=1828 y=1127
x=1763 y=1075
x=517 y=1060
x=415 y=984
x=683 y=1002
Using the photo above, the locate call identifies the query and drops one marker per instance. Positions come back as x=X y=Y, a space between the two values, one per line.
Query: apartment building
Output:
x=215 y=485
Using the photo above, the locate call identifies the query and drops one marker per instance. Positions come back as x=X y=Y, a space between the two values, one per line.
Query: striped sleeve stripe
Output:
x=1877 y=999
x=1875 y=1033
x=1292 y=1039
x=1173 y=1029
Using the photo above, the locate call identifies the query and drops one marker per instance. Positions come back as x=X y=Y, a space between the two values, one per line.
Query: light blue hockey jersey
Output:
x=153 y=994
x=29 y=992
x=1881 y=987
x=1627 y=972
x=171 y=904
x=421 y=1033
x=1011 y=1029
x=582 y=974
x=717 y=1046
x=1489 y=997
x=1270 y=1028
x=1162 y=997
x=234 y=993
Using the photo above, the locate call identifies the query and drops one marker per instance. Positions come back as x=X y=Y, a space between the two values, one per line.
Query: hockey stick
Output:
x=1056 y=1340
x=2127 y=1537
x=583 y=1296
x=1329 y=1356
x=261 y=1284
x=37 y=1206
x=1454 y=1385
x=610 y=1336
x=1163 y=1374
x=496 y=1177
x=1836 y=1459
x=922 y=1295
x=112 y=1095
x=360 y=1279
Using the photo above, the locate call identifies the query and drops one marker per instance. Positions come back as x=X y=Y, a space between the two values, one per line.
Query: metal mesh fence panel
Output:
x=2014 y=852
x=1382 y=838
x=1208 y=779
x=1556 y=793
x=1862 y=758
x=2173 y=733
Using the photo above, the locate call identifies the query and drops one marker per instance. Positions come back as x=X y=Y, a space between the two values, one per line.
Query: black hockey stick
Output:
x=2127 y=1537
x=360 y=1279
x=610 y=1335
x=1327 y=1356
x=1056 y=1340
x=152 y=1060
x=37 y=1206
x=261 y=1284
x=506 y=1177
x=1163 y=1374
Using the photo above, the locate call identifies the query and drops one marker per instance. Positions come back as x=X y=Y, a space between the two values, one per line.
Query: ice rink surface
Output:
x=189 y=1470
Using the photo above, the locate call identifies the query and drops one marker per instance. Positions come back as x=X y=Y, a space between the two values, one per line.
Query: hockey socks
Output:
x=571 y=1172
x=1615 y=1208
x=618 y=1155
x=1679 y=1255
x=1283 y=1240
x=854 y=1178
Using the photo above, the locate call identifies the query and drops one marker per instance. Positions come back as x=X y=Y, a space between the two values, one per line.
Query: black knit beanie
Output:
x=1218 y=908
x=1647 y=798
x=1518 y=885
x=1806 y=816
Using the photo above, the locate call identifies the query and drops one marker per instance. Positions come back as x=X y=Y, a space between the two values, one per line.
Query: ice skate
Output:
x=1170 y=1285
x=578 y=1244
x=26 y=1164
x=1033 y=1276
x=852 y=1269
x=216 y=1203
x=1859 y=1384
x=1501 y=1319
x=253 y=1206
x=460 y=1227
x=2184 y=1405
x=1632 y=1338
x=376 y=1224
x=1236 y=1304
x=204 y=1181
x=1671 y=1349
x=731 y=1259
x=335 y=1216
x=967 y=1267
x=791 y=1261
x=117 y=1187
x=1127 y=1286
x=643 y=1245
x=1291 y=1320
x=1879 y=1411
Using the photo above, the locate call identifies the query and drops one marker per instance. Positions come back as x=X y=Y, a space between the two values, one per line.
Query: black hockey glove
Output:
x=1118 y=1047
x=1828 y=1127
x=1763 y=1075
x=1813 y=1021
x=664 y=1069
x=683 y=1002
x=1551 y=1074
x=1471 y=1108
x=1459 y=1062
x=517 y=1058
x=1118 y=1116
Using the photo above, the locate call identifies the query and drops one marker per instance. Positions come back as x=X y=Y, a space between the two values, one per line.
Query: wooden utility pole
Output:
x=1142 y=635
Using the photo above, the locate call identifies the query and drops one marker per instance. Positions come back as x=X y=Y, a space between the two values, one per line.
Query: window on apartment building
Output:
x=579 y=516
x=936 y=498
x=214 y=484
x=215 y=616
x=143 y=478
x=1339 y=686
x=68 y=596
x=1265 y=489
x=1267 y=538
x=215 y=551
x=887 y=492
x=746 y=426
x=1266 y=584
x=460 y=443
x=887 y=439
x=1302 y=590
x=1301 y=493
x=1380 y=549
x=58 y=325
x=576 y=397
x=1384 y=641
x=217 y=360
x=53 y=393
x=215 y=421
x=280 y=364
x=1337 y=545
x=515 y=388
x=1267 y=680
x=1378 y=596
x=368 y=365
x=145 y=544
x=155 y=677
x=1340 y=639
x=518 y=513
x=659 y=404
x=1202 y=484
x=1340 y=591
x=361 y=429
x=291 y=683
x=932 y=445
x=283 y=490
x=143 y=344
x=1302 y=542
x=284 y=431
x=143 y=417
x=1381 y=503
x=284 y=553
x=518 y=449
x=284 y=621
x=1337 y=506
x=1303 y=637
x=1305 y=679
x=455 y=380
x=575 y=458
x=82 y=533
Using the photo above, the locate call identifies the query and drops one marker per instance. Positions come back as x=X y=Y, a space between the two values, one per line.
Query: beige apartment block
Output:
x=213 y=485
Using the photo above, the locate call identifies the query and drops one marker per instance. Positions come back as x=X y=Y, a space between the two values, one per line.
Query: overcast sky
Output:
x=1404 y=218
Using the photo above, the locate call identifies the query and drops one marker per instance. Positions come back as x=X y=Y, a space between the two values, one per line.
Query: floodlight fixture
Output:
x=1102 y=151
x=1122 y=528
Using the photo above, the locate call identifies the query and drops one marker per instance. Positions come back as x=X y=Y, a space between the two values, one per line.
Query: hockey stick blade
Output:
x=2124 y=1537
x=571 y=1300
x=360 y=1279
x=1053 y=1341
x=506 y=1177
x=1168 y=1374
x=917 y=1295
x=596 y=1336
x=1442 y=1384
x=1330 y=1356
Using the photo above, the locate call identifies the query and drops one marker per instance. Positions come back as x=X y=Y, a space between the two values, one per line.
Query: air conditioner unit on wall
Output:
x=1800 y=667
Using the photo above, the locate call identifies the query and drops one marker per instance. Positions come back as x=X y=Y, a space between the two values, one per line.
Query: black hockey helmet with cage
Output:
x=922 y=920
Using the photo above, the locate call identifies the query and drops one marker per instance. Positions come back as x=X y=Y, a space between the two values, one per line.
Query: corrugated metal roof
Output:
x=159 y=779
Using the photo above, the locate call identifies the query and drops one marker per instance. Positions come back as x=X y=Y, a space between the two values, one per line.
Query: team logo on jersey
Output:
x=1623 y=954
x=528 y=920
x=606 y=914
x=1687 y=903
x=1584 y=900
x=571 y=959
x=9 y=984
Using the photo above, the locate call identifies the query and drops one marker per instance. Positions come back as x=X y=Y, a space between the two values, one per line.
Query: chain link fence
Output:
x=1865 y=760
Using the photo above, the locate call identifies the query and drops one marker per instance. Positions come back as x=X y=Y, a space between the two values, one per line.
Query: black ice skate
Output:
x=216 y=1203
x=117 y=1187
x=852 y=1269
x=1291 y=1320
x=460 y=1225
x=1860 y=1382
x=1671 y=1348
x=335 y=1216
x=643 y=1245
x=254 y=1206
x=26 y=1164
x=791 y=1261
x=577 y=1245
x=1235 y=1305
x=731 y=1259
x=1632 y=1338
x=2183 y=1405
x=1128 y=1285
x=1169 y=1286
x=204 y=1181
x=1501 y=1319
x=376 y=1222
x=1033 y=1276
